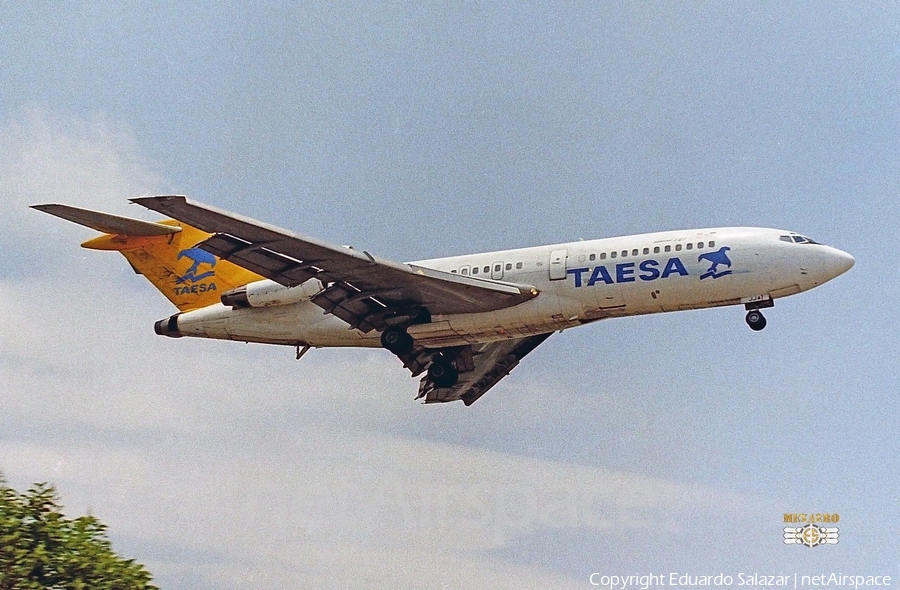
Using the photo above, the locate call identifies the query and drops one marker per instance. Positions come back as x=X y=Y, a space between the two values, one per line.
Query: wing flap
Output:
x=271 y=264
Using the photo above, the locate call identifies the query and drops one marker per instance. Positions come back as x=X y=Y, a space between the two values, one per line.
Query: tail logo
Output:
x=715 y=259
x=198 y=257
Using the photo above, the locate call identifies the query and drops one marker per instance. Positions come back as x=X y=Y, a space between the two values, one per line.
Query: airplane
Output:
x=461 y=322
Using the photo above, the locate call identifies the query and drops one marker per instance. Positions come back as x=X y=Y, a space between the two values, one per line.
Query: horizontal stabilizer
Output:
x=106 y=222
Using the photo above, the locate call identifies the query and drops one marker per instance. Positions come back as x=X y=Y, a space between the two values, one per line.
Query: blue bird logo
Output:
x=198 y=257
x=715 y=259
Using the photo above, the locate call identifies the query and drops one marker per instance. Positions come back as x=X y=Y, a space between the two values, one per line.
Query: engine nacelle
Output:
x=267 y=293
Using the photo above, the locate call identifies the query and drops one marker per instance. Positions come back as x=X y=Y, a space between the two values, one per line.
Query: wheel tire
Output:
x=756 y=320
x=397 y=340
x=442 y=374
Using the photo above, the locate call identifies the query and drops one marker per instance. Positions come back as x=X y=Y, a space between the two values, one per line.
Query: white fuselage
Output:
x=579 y=282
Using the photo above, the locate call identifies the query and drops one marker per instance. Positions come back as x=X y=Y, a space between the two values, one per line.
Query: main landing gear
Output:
x=397 y=340
x=442 y=373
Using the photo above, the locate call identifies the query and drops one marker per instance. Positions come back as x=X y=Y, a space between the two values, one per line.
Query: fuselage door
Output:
x=558 y=265
x=497 y=271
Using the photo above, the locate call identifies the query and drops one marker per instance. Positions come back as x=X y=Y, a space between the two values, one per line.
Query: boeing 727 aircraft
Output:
x=462 y=322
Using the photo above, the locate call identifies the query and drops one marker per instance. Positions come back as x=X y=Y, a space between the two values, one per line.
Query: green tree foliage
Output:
x=41 y=548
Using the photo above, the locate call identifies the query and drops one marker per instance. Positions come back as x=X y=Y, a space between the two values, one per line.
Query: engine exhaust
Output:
x=168 y=327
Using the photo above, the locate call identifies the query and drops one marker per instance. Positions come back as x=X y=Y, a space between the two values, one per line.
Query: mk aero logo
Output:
x=194 y=274
x=811 y=534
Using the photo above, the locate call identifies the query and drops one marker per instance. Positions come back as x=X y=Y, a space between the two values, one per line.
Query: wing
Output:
x=480 y=367
x=367 y=292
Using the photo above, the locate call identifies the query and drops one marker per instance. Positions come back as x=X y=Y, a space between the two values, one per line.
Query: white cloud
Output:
x=86 y=160
x=91 y=162
x=333 y=509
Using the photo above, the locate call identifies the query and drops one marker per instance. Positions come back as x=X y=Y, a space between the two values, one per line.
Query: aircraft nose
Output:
x=839 y=262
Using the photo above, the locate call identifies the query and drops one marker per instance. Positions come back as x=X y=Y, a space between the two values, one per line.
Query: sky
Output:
x=667 y=443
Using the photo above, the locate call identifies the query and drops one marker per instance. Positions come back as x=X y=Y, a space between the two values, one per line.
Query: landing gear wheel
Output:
x=442 y=373
x=756 y=320
x=397 y=340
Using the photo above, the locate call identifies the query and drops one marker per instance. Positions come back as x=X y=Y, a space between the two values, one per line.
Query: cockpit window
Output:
x=797 y=239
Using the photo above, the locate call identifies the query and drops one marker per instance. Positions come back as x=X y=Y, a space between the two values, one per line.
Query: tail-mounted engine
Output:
x=267 y=293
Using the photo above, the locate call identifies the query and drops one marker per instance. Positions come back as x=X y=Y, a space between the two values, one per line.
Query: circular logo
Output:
x=811 y=535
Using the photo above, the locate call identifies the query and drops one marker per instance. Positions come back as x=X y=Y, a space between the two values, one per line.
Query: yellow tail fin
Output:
x=165 y=253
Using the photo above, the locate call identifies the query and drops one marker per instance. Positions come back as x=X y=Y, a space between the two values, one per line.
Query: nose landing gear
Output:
x=756 y=320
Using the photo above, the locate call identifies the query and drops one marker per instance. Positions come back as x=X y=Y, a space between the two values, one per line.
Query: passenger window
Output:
x=624 y=253
x=603 y=256
x=509 y=266
x=475 y=270
x=646 y=250
x=465 y=271
x=712 y=244
x=488 y=269
x=453 y=271
x=612 y=254
x=593 y=257
x=689 y=246
x=656 y=249
x=668 y=248
x=497 y=267
x=699 y=245
x=678 y=247
x=518 y=266
x=634 y=252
